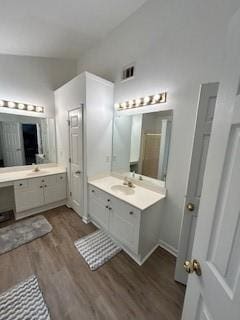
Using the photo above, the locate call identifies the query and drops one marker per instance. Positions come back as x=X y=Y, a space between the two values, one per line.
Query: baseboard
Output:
x=168 y=248
x=86 y=220
x=149 y=254
x=31 y=212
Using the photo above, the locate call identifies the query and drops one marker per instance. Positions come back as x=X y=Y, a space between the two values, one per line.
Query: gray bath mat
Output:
x=23 y=302
x=22 y=232
x=97 y=248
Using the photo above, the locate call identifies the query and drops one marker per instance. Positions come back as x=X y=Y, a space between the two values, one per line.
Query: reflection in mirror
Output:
x=141 y=143
x=26 y=140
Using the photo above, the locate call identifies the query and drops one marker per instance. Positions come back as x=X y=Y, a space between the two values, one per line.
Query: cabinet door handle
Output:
x=45 y=186
x=20 y=184
x=131 y=212
x=108 y=200
x=43 y=180
x=110 y=208
x=93 y=191
x=41 y=187
x=107 y=207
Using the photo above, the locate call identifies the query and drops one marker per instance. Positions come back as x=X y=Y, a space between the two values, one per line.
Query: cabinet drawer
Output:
x=21 y=184
x=98 y=194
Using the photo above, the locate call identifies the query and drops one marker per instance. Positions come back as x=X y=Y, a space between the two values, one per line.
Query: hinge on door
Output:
x=70 y=193
x=68 y=122
x=70 y=160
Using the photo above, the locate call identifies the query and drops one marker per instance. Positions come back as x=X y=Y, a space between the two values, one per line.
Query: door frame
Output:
x=69 y=201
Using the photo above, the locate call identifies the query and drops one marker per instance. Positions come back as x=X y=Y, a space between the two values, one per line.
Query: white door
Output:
x=12 y=144
x=215 y=295
x=206 y=107
x=76 y=159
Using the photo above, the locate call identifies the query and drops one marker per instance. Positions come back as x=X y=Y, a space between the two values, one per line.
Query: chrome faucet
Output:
x=128 y=182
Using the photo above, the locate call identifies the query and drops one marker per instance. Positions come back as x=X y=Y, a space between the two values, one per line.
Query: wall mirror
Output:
x=141 y=143
x=25 y=140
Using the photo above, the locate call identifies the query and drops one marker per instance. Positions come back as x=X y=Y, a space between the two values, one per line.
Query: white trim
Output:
x=168 y=248
x=86 y=220
x=149 y=254
x=27 y=213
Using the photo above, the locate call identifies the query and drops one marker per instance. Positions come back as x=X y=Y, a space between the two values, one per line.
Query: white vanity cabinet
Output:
x=35 y=193
x=136 y=231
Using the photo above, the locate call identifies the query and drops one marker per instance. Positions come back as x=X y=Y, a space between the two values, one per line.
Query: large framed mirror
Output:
x=26 y=140
x=141 y=143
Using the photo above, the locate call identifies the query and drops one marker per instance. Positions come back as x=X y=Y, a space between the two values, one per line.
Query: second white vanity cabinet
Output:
x=136 y=231
x=38 y=192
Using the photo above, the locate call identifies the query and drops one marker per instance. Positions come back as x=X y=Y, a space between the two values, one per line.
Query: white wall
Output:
x=33 y=80
x=176 y=45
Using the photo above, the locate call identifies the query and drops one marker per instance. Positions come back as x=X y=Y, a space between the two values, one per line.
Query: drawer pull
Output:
x=45 y=186
x=107 y=207
x=93 y=191
x=20 y=184
x=131 y=212
x=43 y=180
x=108 y=200
x=41 y=187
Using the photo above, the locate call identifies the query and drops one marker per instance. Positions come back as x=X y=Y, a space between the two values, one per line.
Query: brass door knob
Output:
x=193 y=266
x=190 y=206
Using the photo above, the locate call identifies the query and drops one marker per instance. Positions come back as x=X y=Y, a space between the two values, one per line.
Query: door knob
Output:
x=190 y=206
x=193 y=266
x=78 y=172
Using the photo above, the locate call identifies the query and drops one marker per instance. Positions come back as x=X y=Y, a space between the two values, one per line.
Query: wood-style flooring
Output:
x=120 y=290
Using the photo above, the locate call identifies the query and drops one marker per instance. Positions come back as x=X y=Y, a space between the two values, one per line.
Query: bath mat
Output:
x=24 y=302
x=97 y=248
x=22 y=232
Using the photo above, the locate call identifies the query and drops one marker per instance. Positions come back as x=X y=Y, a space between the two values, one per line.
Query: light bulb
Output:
x=116 y=105
x=130 y=103
x=1 y=103
x=123 y=105
x=138 y=102
x=30 y=107
x=39 y=109
x=156 y=98
x=11 y=104
x=146 y=100
x=21 y=106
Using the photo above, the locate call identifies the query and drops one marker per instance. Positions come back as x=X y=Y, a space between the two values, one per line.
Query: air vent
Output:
x=128 y=72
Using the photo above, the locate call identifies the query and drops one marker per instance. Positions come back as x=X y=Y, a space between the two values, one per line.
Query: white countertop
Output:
x=11 y=176
x=141 y=197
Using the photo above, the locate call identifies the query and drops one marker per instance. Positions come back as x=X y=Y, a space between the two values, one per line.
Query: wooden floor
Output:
x=119 y=290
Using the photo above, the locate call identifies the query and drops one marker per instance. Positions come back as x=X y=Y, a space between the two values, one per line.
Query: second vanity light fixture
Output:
x=21 y=106
x=142 y=102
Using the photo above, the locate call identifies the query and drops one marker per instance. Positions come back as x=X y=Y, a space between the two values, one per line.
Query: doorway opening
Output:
x=30 y=142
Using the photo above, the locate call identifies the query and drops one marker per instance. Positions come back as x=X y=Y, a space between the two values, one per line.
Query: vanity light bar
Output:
x=142 y=102
x=21 y=106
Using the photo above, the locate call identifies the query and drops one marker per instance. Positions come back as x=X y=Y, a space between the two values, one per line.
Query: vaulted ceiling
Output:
x=59 y=28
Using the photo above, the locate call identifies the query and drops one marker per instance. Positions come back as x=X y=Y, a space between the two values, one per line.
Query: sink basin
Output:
x=125 y=190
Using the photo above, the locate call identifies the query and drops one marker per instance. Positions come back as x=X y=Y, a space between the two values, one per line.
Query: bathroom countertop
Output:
x=141 y=198
x=10 y=176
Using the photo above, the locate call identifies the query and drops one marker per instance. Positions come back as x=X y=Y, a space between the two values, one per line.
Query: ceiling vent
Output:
x=128 y=72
